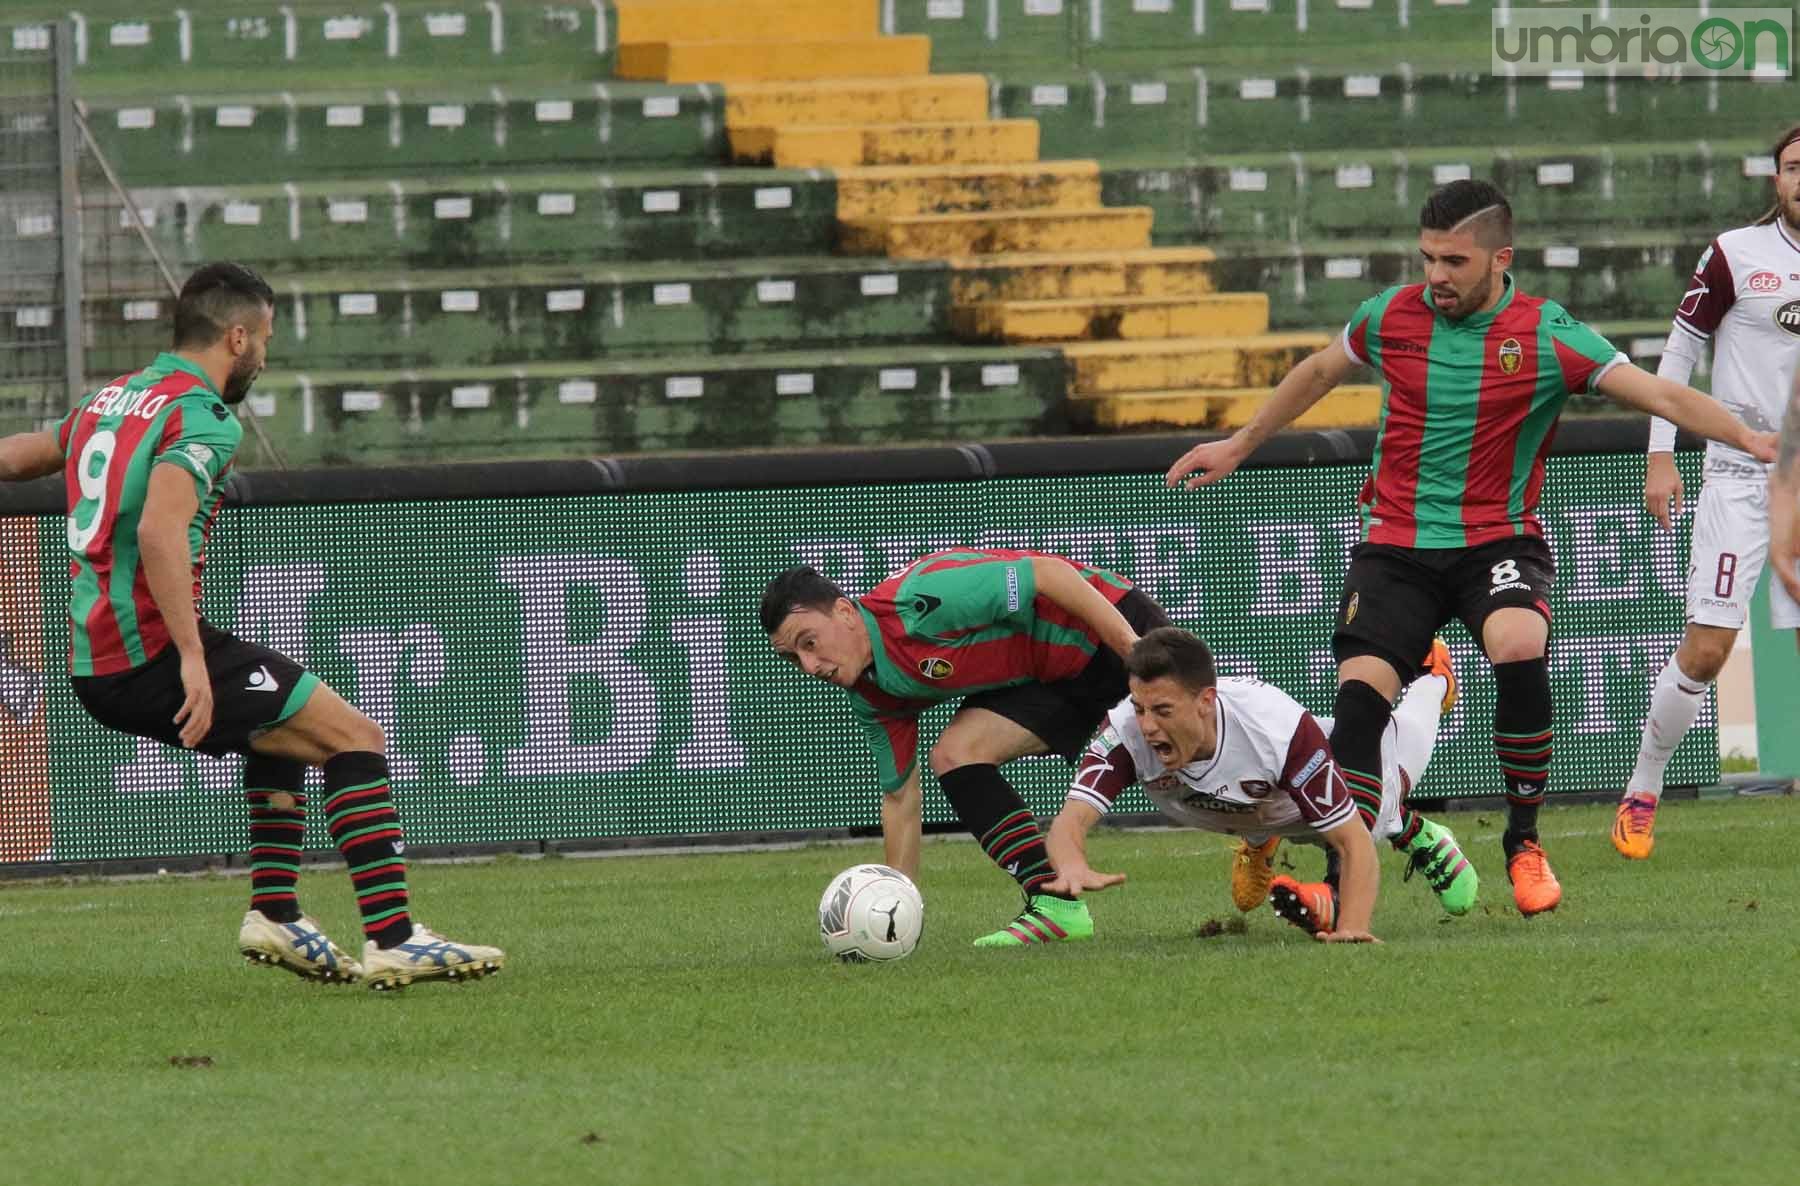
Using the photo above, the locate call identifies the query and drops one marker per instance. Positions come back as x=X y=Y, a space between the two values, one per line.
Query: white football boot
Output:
x=299 y=947
x=427 y=956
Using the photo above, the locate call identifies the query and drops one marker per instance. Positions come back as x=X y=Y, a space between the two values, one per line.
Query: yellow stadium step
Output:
x=928 y=98
x=751 y=61
x=1175 y=364
x=891 y=191
x=1225 y=315
x=977 y=142
x=746 y=20
x=1352 y=406
x=936 y=236
x=1152 y=271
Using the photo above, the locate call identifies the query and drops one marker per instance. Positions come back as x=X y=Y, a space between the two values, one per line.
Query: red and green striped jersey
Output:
x=1468 y=410
x=958 y=622
x=166 y=413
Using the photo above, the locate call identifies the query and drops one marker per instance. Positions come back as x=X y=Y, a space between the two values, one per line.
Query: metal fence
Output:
x=40 y=246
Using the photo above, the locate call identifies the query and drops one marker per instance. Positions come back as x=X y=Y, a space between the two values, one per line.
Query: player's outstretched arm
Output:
x=1784 y=499
x=28 y=455
x=1067 y=848
x=901 y=825
x=1299 y=389
x=1698 y=413
x=1358 y=883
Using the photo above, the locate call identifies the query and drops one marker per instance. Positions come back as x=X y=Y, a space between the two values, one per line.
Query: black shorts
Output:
x=254 y=690
x=1066 y=714
x=1395 y=599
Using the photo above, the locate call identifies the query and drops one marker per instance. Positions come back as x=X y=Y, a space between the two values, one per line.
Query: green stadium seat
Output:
x=452 y=221
x=353 y=133
x=580 y=408
x=136 y=50
x=489 y=317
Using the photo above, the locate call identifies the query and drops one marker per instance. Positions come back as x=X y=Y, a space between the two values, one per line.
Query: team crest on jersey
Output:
x=1350 y=610
x=936 y=667
x=1512 y=356
x=1764 y=282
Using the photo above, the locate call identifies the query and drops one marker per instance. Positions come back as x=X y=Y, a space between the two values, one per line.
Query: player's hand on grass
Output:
x=1663 y=489
x=195 y=713
x=1207 y=462
x=1346 y=937
x=1075 y=882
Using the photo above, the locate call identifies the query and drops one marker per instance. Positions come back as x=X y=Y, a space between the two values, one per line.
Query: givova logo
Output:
x=1696 y=42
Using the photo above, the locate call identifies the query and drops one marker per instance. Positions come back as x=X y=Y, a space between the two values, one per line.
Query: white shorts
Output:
x=1730 y=545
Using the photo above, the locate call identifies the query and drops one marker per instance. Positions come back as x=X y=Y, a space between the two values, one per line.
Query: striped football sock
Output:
x=360 y=814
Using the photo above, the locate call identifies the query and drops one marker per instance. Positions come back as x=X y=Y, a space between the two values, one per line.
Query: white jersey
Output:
x=1745 y=297
x=1270 y=773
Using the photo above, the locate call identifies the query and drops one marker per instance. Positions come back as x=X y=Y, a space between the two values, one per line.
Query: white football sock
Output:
x=1416 y=724
x=1675 y=701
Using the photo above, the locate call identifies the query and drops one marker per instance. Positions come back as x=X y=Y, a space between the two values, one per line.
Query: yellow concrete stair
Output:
x=1217 y=410
x=987 y=232
x=752 y=61
x=745 y=20
x=973 y=142
x=1179 y=364
x=1152 y=271
x=929 y=98
x=1221 y=315
x=892 y=191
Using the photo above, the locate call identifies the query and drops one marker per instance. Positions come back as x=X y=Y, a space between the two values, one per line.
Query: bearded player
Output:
x=1474 y=376
x=145 y=460
x=1745 y=299
x=1241 y=757
x=1034 y=648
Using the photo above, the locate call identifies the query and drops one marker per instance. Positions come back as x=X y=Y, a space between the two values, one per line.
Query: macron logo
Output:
x=262 y=681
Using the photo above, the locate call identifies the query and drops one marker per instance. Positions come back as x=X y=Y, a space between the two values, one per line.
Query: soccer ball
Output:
x=871 y=913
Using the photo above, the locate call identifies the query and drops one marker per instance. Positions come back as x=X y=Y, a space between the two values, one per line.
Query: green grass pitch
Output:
x=674 y=1019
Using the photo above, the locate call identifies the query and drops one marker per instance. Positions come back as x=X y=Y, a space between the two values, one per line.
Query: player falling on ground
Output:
x=1745 y=296
x=145 y=460
x=1474 y=375
x=1243 y=757
x=1034 y=648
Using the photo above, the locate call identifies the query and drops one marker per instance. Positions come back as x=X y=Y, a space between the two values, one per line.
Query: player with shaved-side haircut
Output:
x=1474 y=375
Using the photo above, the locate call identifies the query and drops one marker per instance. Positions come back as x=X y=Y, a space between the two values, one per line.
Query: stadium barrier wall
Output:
x=570 y=649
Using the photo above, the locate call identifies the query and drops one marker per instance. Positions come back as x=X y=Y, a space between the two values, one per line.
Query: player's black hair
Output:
x=1455 y=203
x=215 y=298
x=1782 y=145
x=1172 y=651
x=797 y=588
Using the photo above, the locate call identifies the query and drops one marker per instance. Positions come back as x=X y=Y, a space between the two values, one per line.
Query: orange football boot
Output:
x=1634 y=826
x=1535 y=888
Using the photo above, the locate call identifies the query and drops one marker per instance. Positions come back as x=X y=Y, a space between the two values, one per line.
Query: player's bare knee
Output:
x=1702 y=655
x=365 y=734
x=1515 y=650
x=946 y=756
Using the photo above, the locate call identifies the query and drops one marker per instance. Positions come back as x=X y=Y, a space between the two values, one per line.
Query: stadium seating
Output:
x=1133 y=204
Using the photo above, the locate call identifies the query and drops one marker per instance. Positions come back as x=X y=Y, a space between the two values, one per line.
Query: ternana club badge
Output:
x=1512 y=356
x=935 y=668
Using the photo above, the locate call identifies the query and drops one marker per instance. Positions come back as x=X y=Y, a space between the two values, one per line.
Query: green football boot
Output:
x=1435 y=853
x=1046 y=920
